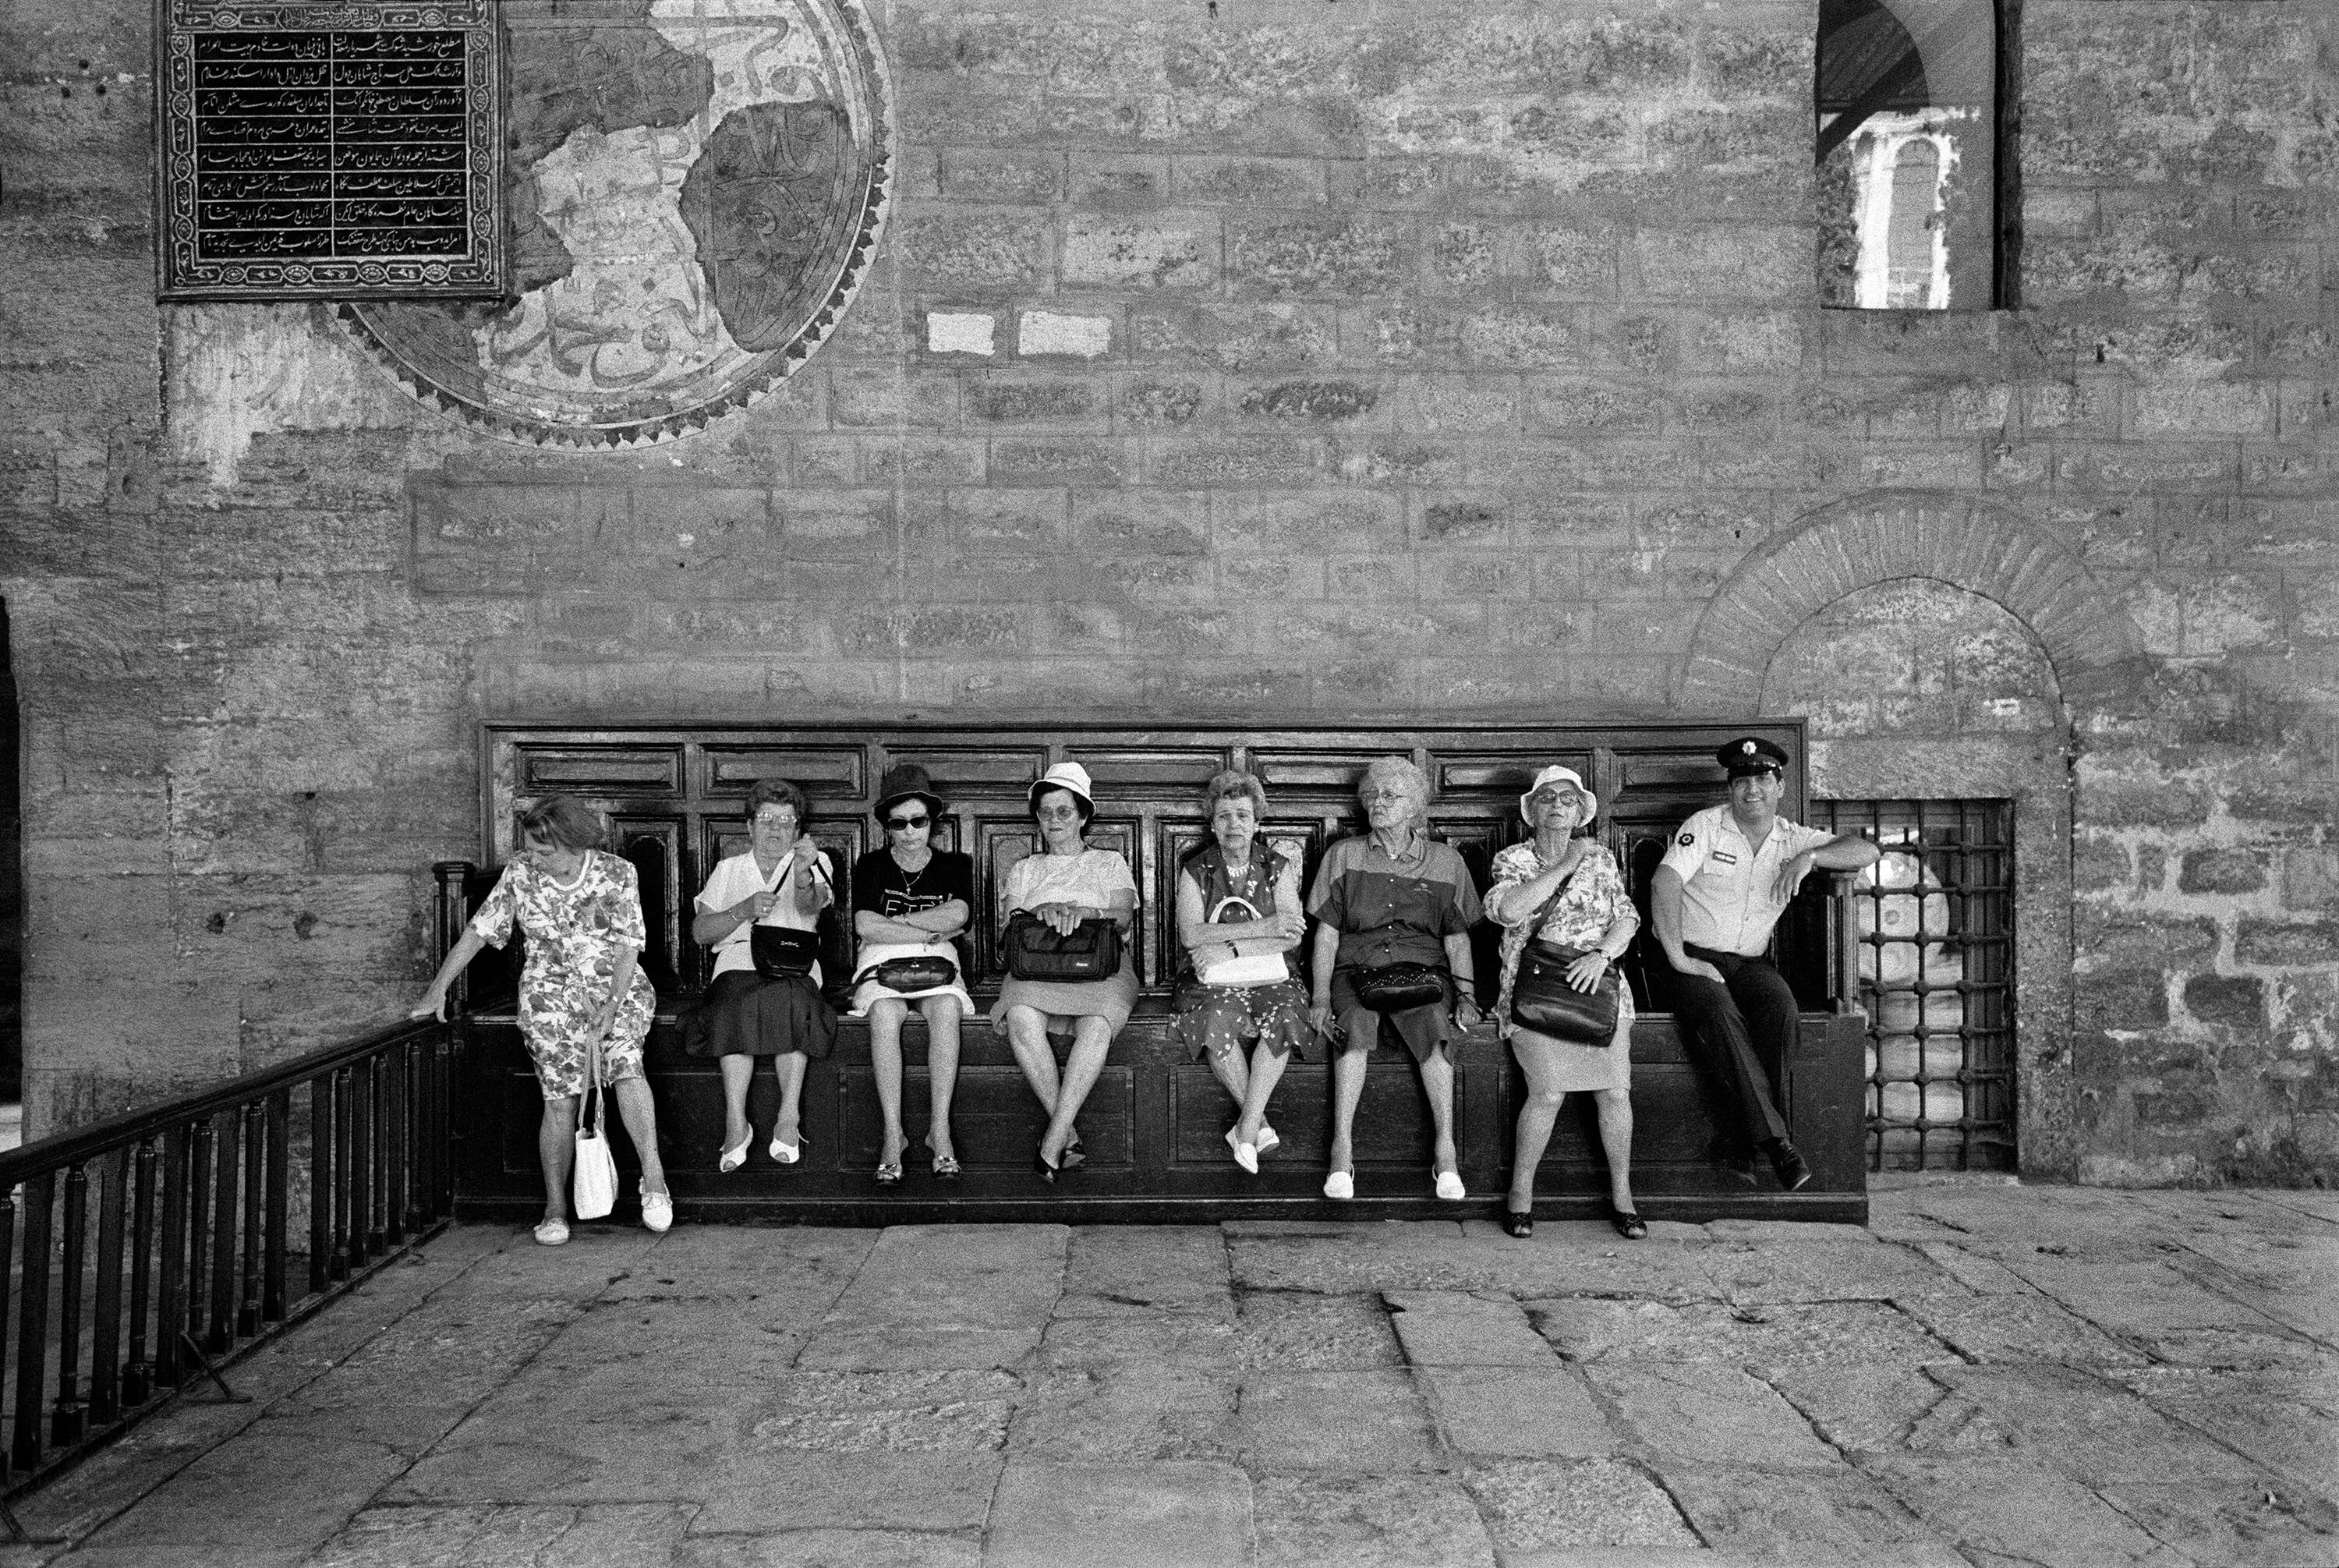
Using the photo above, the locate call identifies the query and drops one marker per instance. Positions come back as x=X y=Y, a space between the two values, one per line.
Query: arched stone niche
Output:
x=1916 y=689
x=1937 y=644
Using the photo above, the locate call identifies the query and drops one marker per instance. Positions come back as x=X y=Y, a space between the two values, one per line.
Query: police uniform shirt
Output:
x=1727 y=904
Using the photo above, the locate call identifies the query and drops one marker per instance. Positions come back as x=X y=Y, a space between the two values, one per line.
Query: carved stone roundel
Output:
x=694 y=189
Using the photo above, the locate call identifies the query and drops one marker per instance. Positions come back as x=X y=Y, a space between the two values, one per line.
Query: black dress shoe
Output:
x=1629 y=1225
x=1519 y=1224
x=1793 y=1172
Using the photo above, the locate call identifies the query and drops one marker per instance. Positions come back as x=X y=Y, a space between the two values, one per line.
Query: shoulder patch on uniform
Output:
x=1686 y=839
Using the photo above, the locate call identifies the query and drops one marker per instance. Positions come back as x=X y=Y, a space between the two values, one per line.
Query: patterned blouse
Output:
x=1592 y=899
x=574 y=932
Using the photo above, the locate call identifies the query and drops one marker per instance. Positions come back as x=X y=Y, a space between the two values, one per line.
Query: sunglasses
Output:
x=903 y=823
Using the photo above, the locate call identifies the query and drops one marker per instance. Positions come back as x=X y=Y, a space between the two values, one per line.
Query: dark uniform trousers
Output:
x=1724 y=1024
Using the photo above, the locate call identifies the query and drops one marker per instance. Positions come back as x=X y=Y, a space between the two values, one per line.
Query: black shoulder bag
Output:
x=1540 y=997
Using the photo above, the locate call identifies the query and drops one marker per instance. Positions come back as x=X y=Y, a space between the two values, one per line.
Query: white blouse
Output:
x=736 y=877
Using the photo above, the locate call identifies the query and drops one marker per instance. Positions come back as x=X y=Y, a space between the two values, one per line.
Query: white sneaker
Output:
x=1449 y=1186
x=657 y=1211
x=1340 y=1183
x=551 y=1232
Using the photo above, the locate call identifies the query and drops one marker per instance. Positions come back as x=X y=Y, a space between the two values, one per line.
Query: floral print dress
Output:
x=574 y=935
x=1591 y=901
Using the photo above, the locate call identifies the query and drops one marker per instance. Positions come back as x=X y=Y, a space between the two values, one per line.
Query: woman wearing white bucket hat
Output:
x=1063 y=886
x=1565 y=889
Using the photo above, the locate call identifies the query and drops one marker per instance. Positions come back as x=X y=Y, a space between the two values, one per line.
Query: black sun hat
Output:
x=902 y=781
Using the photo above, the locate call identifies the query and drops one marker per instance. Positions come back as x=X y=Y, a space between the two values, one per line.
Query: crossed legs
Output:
x=1060 y=1094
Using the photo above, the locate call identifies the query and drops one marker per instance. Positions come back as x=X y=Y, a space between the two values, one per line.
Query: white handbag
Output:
x=1244 y=969
x=593 y=1188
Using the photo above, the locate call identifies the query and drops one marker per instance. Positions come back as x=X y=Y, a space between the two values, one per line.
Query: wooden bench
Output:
x=1154 y=1126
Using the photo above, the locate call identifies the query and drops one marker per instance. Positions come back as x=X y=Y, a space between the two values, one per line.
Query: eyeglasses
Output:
x=1058 y=814
x=775 y=821
x=1370 y=795
x=904 y=823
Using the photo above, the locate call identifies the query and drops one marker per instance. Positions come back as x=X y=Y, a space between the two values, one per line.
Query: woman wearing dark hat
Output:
x=910 y=904
x=1064 y=884
x=1565 y=888
x=781 y=881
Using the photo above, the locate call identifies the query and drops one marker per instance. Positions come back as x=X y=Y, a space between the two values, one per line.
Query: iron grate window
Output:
x=1936 y=921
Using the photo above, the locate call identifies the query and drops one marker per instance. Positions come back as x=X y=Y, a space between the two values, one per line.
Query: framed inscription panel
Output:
x=330 y=151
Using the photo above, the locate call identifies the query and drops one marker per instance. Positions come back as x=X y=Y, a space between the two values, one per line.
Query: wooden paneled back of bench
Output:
x=677 y=798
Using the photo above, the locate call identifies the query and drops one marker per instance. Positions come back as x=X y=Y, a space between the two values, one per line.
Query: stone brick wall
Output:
x=1276 y=360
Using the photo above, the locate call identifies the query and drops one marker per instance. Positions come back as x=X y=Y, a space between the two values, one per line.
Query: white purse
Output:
x=1242 y=970
x=593 y=1187
x=1245 y=970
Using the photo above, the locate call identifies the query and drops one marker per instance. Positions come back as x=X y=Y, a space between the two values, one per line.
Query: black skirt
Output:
x=744 y=1014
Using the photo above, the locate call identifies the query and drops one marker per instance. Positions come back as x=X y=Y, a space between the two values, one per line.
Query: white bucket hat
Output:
x=1552 y=775
x=1069 y=776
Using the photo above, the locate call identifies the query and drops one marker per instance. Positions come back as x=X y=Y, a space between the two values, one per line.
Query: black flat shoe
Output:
x=1521 y=1225
x=1629 y=1225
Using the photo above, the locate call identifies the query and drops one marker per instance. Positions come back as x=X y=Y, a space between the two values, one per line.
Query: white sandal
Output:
x=788 y=1153
x=657 y=1210
x=551 y=1232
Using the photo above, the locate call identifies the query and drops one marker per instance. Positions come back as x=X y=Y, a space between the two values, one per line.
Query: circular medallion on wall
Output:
x=694 y=189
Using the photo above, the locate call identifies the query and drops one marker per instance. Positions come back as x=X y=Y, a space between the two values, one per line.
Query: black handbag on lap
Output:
x=783 y=952
x=1034 y=951
x=1395 y=987
x=1543 y=1000
x=908 y=974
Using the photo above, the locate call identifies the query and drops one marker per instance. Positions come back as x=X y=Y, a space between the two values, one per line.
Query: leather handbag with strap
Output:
x=1395 y=987
x=919 y=972
x=783 y=952
x=1539 y=996
x=1035 y=952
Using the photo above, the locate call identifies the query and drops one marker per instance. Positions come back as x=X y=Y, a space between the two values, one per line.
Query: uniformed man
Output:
x=1725 y=880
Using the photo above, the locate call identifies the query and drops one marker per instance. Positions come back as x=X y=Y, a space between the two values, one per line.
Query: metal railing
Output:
x=144 y=1248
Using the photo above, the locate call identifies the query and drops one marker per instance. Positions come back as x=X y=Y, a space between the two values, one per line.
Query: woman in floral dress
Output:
x=1565 y=888
x=581 y=910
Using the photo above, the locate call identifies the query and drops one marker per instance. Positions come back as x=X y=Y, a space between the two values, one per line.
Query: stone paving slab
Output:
x=1993 y=1374
x=1127 y=1270
x=1131 y=1516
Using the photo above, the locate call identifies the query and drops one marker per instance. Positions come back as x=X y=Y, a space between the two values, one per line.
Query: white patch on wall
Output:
x=236 y=371
x=1046 y=332
x=968 y=332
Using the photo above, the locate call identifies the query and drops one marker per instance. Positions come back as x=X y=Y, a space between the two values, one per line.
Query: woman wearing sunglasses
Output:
x=781 y=881
x=909 y=905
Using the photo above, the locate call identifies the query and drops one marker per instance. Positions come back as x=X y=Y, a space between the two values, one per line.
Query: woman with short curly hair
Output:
x=1238 y=923
x=781 y=880
x=1393 y=898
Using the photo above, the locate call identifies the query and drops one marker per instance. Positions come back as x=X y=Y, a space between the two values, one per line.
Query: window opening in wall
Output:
x=1913 y=152
x=1935 y=924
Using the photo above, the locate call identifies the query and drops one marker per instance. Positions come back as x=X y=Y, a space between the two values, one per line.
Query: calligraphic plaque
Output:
x=330 y=151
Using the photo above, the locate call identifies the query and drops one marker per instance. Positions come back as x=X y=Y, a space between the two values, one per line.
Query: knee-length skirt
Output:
x=744 y=1014
x=1066 y=1003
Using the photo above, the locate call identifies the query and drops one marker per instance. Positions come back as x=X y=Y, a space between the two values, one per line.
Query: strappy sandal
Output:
x=946 y=1168
x=1629 y=1225
x=1519 y=1223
